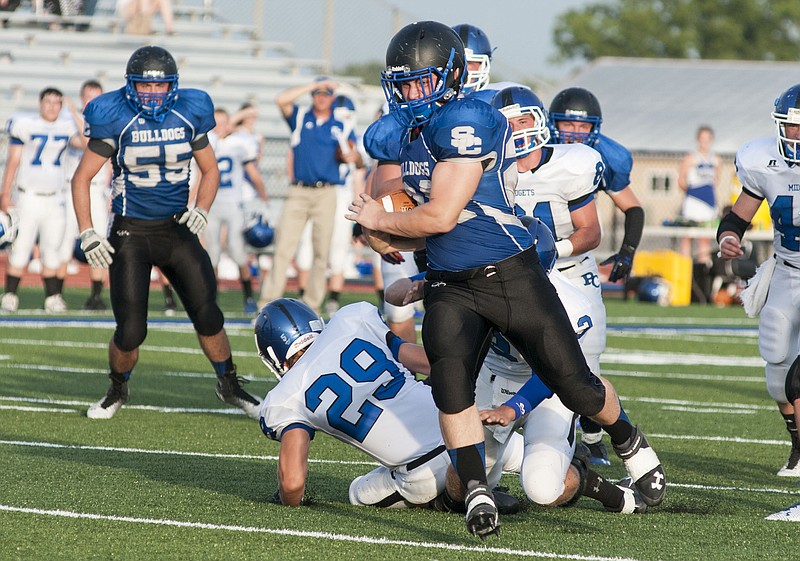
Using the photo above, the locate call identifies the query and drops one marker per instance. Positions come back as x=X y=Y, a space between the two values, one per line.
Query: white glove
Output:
x=196 y=220
x=97 y=249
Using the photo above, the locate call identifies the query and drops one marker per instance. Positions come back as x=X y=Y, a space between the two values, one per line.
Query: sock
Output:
x=469 y=463
x=224 y=367
x=791 y=426
x=168 y=299
x=380 y=294
x=97 y=288
x=334 y=296
x=589 y=427
x=50 y=286
x=12 y=284
x=119 y=377
x=60 y=285
x=247 y=288
x=300 y=292
x=621 y=431
x=612 y=497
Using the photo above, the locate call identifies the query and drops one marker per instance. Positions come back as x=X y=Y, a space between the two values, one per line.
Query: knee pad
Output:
x=774 y=335
x=208 y=319
x=542 y=485
x=778 y=381
x=376 y=489
x=453 y=390
x=130 y=336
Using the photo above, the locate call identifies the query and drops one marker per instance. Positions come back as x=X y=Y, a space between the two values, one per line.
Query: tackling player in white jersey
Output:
x=768 y=170
x=237 y=154
x=34 y=166
x=556 y=185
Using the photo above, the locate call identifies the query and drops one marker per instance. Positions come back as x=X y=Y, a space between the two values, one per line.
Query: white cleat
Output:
x=107 y=407
x=792 y=466
x=55 y=304
x=9 y=302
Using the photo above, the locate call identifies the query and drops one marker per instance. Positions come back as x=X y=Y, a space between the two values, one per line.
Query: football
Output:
x=398 y=201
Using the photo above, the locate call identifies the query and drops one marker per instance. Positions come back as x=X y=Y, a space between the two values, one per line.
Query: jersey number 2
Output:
x=362 y=362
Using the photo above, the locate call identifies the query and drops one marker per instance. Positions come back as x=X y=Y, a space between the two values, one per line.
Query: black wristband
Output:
x=634 y=224
x=732 y=223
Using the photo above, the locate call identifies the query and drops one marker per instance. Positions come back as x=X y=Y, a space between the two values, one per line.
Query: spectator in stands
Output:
x=8 y=6
x=315 y=177
x=87 y=9
x=138 y=15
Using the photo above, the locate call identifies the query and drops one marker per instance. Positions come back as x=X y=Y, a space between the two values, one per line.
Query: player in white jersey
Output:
x=35 y=167
x=556 y=185
x=768 y=170
x=352 y=380
x=100 y=191
x=237 y=154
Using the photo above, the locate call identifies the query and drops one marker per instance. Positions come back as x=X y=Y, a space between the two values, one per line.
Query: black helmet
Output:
x=152 y=64
x=575 y=104
x=430 y=53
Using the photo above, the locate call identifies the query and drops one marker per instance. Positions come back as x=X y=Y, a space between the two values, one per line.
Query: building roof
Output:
x=656 y=105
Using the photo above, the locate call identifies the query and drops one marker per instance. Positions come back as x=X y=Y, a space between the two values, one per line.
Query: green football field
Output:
x=176 y=474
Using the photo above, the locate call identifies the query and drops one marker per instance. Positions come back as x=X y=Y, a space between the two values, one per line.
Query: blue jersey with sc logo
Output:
x=468 y=130
x=151 y=160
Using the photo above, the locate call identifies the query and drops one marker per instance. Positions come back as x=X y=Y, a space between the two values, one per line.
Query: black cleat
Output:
x=792 y=466
x=505 y=502
x=482 y=517
x=644 y=468
x=598 y=455
x=95 y=304
x=115 y=397
x=230 y=391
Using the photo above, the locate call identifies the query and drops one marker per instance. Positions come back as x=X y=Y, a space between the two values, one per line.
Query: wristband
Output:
x=394 y=342
x=520 y=405
x=564 y=248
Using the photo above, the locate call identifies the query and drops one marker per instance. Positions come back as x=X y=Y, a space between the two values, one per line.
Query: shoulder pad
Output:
x=383 y=139
x=466 y=128
x=106 y=114
x=198 y=107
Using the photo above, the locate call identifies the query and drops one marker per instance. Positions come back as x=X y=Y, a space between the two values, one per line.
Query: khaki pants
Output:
x=302 y=204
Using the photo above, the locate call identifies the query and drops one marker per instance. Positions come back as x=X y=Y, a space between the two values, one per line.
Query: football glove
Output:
x=622 y=263
x=393 y=258
x=196 y=220
x=97 y=249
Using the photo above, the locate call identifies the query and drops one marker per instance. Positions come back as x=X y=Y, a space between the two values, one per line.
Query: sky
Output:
x=519 y=30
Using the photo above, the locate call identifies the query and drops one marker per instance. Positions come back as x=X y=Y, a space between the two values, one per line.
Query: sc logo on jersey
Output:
x=464 y=140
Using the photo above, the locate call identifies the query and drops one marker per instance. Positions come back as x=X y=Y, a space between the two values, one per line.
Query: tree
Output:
x=711 y=29
x=369 y=72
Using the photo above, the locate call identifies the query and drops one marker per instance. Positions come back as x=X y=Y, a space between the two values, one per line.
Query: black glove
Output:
x=622 y=263
x=393 y=258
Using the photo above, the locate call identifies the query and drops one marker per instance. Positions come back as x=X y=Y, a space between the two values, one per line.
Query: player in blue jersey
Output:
x=575 y=116
x=459 y=164
x=151 y=130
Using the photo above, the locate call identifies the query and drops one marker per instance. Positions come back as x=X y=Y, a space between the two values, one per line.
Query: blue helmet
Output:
x=543 y=240
x=257 y=231
x=654 y=289
x=477 y=49
x=285 y=327
x=787 y=112
x=430 y=56
x=520 y=101
x=577 y=105
x=151 y=64
x=9 y=226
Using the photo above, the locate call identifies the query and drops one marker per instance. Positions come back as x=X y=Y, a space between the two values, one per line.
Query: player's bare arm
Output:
x=452 y=187
x=90 y=164
x=586 y=236
x=12 y=164
x=209 y=181
x=293 y=465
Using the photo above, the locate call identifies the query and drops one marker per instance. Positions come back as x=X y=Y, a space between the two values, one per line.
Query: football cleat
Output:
x=55 y=304
x=792 y=466
x=107 y=407
x=633 y=502
x=482 y=517
x=598 y=455
x=230 y=391
x=95 y=304
x=644 y=467
x=9 y=302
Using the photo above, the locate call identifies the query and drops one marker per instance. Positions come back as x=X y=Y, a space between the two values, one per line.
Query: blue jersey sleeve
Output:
x=618 y=162
x=106 y=115
x=465 y=129
x=200 y=109
x=383 y=139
